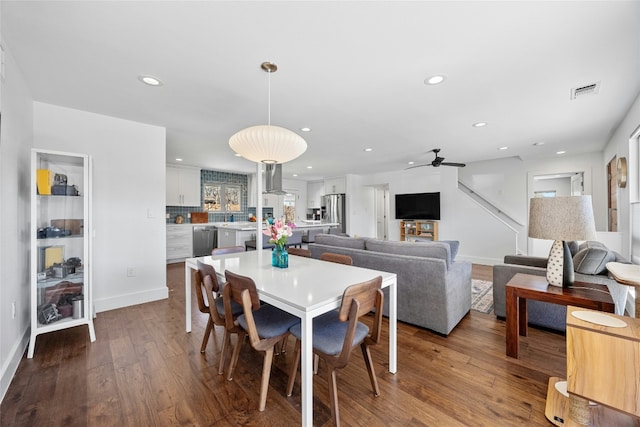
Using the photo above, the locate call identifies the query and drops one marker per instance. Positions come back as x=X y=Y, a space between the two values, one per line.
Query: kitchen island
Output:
x=235 y=234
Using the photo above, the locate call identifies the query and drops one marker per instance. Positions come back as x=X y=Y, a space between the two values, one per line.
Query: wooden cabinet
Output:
x=412 y=231
x=183 y=186
x=335 y=185
x=315 y=190
x=179 y=242
x=60 y=243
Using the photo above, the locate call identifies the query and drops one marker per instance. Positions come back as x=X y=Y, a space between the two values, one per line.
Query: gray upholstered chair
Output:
x=338 y=332
x=265 y=324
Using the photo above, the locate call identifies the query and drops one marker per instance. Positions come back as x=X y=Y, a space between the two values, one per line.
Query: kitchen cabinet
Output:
x=275 y=201
x=61 y=266
x=228 y=237
x=183 y=186
x=179 y=242
x=335 y=185
x=315 y=191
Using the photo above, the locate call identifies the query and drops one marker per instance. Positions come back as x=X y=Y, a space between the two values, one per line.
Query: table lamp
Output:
x=561 y=219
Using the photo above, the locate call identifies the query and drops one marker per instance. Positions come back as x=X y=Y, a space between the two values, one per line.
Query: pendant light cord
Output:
x=269 y=99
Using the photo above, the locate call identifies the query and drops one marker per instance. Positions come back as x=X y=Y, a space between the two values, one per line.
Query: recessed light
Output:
x=238 y=155
x=503 y=148
x=537 y=144
x=434 y=80
x=309 y=167
x=411 y=163
x=295 y=174
x=368 y=150
x=479 y=124
x=150 y=80
x=178 y=160
x=560 y=152
x=305 y=129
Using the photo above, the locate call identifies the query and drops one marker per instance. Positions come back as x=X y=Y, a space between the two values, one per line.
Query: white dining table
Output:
x=306 y=289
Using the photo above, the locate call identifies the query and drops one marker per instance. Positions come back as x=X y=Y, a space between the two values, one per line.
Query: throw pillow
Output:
x=592 y=260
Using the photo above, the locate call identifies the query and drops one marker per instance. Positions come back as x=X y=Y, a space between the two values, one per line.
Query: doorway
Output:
x=381 y=209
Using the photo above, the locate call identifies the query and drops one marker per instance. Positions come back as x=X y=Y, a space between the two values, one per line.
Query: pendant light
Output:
x=266 y=143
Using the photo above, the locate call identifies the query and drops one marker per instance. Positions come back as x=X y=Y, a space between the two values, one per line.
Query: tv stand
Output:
x=417 y=230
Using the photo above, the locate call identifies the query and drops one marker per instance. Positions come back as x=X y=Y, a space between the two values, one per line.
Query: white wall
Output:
x=619 y=146
x=16 y=135
x=128 y=199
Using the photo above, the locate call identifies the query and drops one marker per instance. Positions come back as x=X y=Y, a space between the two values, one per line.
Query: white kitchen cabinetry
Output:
x=335 y=185
x=183 y=186
x=315 y=191
x=60 y=243
x=276 y=202
x=179 y=242
x=232 y=237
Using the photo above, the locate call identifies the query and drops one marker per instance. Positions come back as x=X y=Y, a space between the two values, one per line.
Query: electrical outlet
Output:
x=13 y=310
x=131 y=272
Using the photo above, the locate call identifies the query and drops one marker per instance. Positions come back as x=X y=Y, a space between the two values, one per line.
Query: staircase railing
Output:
x=510 y=222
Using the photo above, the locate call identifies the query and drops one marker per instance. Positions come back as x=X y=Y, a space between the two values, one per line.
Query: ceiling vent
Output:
x=579 y=92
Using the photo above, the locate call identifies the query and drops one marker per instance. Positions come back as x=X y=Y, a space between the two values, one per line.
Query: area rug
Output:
x=482 y=296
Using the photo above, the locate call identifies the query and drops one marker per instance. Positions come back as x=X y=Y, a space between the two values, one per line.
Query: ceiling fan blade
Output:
x=417 y=166
x=458 y=165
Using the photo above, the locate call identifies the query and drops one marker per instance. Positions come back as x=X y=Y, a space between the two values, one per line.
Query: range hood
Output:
x=273 y=179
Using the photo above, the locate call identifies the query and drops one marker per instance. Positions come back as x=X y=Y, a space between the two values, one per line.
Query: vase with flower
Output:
x=279 y=230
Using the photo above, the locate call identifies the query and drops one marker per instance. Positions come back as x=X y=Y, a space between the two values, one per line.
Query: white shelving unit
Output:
x=61 y=277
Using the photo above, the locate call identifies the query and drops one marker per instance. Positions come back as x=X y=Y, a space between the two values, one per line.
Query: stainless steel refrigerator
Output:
x=334 y=210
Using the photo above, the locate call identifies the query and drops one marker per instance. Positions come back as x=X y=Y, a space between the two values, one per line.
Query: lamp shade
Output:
x=268 y=144
x=562 y=218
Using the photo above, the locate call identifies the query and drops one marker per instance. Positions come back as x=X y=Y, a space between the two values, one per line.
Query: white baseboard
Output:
x=134 y=298
x=10 y=366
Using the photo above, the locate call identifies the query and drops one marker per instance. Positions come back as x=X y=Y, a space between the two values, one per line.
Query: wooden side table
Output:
x=526 y=286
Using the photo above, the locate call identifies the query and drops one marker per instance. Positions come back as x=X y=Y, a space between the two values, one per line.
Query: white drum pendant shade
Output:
x=268 y=144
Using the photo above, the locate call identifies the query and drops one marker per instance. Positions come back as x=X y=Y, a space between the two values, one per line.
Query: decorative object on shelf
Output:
x=278 y=230
x=267 y=143
x=622 y=172
x=561 y=219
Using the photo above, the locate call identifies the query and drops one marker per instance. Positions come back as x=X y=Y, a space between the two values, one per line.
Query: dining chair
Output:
x=299 y=252
x=265 y=324
x=207 y=286
x=227 y=250
x=339 y=258
x=338 y=332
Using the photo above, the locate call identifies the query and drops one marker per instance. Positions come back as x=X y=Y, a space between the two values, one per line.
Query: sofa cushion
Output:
x=592 y=258
x=340 y=241
x=437 y=250
x=454 y=245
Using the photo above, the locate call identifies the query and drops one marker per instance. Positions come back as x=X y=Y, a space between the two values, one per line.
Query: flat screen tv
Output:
x=418 y=206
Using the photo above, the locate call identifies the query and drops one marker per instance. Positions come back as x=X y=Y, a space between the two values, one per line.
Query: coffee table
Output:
x=527 y=286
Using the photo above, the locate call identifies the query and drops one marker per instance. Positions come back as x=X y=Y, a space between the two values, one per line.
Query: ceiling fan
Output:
x=439 y=161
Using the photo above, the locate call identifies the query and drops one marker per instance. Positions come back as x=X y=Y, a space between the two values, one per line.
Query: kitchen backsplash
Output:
x=224 y=178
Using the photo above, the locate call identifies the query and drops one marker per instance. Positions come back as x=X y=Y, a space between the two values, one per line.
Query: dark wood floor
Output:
x=144 y=370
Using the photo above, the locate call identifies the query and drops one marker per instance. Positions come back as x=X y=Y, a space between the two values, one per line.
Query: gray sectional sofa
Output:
x=589 y=259
x=434 y=290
